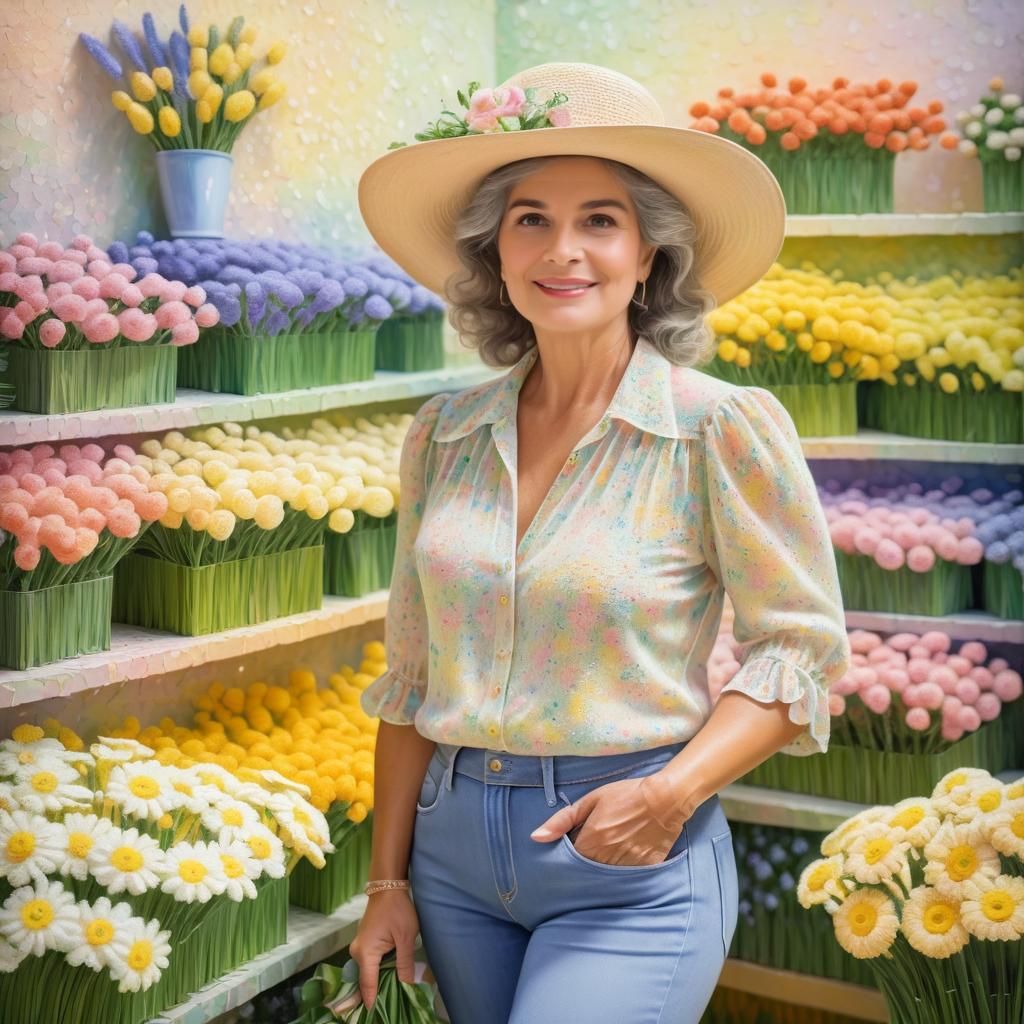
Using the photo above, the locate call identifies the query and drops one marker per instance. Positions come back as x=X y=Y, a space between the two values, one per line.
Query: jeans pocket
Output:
x=725 y=865
x=677 y=852
x=433 y=785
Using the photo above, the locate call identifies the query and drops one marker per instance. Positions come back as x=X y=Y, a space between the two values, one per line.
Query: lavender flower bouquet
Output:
x=291 y=316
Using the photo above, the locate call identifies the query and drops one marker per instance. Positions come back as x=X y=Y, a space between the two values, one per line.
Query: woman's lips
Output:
x=565 y=293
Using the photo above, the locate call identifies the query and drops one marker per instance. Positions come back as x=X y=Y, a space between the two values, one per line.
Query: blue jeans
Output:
x=522 y=932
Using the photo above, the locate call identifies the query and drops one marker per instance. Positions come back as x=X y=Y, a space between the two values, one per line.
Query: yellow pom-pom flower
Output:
x=163 y=78
x=140 y=118
x=170 y=122
x=239 y=105
x=121 y=100
x=276 y=53
x=272 y=95
x=198 y=59
x=221 y=524
x=232 y=73
x=221 y=57
x=949 y=382
x=198 y=35
x=198 y=82
x=143 y=87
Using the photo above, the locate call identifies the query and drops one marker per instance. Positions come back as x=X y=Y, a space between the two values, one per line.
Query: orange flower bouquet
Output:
x=832 y=148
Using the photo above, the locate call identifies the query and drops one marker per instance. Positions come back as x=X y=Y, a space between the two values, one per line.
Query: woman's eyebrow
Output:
x=588 y=205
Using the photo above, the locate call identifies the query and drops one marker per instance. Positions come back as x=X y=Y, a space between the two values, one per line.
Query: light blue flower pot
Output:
x=194 y=184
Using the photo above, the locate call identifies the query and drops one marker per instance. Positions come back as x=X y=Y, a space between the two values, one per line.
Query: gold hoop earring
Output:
x=500 y=290
x=643 y=295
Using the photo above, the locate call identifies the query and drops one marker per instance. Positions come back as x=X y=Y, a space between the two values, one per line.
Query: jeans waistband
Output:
x=496 y=767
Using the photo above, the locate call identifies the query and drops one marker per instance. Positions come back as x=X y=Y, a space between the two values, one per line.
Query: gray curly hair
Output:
x=674 y=321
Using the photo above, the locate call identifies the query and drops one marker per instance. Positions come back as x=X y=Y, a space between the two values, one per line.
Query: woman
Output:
x=548 y=749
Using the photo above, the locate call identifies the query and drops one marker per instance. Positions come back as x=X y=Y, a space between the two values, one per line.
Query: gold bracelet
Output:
x=383 y=884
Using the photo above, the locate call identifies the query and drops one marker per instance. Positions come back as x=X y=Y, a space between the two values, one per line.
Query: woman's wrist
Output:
x=672 y=796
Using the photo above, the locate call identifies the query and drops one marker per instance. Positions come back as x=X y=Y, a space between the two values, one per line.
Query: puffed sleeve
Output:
x=396 y=695
x=767 y=541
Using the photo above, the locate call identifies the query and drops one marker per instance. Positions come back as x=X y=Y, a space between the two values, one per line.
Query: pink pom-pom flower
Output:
x=70 y=308
x=98 y=269
x=126 y=270
x=112 y=286
x=889 y=555
x=131 y=295
x=11 y=326
x=50 y=250
x=170 y=314
x=26 y=556
x=101 y=328
x=1007 y=685
x=186 y=333
x=975 y=651
x=65 y=270
x=877 y=698
x=988 y=706
x=51 y=332
x=969 y=551
x=918 y=719
x=194 y=296
x=136 y=325
x=207 y=315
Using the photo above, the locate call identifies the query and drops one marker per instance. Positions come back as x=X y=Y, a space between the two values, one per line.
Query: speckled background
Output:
x=362 y=73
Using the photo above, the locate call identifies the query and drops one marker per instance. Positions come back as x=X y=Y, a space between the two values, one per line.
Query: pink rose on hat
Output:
x=487 y=105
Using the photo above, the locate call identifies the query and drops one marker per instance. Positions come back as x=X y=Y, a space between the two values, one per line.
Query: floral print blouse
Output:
x=593 y=637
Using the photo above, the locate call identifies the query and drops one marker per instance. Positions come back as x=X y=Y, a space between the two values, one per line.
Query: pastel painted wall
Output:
x=686 y=51
x=362 y=73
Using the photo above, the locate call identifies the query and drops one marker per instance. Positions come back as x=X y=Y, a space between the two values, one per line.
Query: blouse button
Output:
x=503 y=599
x=503 y=653
x=496 y=692
x=492 y=730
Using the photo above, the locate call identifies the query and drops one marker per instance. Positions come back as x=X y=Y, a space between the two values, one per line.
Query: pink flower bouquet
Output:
x=75 y=303
x=67 y=517
x=908 y=705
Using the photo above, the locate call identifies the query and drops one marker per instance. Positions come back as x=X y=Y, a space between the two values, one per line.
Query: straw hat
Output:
x=411 y=197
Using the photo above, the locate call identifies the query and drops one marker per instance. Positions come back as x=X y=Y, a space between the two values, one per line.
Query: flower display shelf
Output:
x=200 y=408
x=822 y=994
x=137 y=654
x=311 y=938
x=876 y=225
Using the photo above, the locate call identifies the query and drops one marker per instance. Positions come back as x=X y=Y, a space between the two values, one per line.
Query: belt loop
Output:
x=450 y=769
x=547 y=768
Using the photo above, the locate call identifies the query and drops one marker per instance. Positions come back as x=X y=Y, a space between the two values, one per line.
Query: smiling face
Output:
x=570 y=247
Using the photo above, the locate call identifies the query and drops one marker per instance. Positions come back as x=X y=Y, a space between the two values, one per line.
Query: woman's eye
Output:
x=606 y=221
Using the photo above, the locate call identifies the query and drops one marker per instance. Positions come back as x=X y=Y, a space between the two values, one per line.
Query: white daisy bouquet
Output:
x=315 y=736
x=155 y=877
x=248 y=512
x=931 y=892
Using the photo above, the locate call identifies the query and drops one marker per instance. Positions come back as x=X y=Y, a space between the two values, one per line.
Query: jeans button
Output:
x=495 y=765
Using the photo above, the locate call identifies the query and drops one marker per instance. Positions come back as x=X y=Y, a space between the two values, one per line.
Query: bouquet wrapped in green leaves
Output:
x=332 y=996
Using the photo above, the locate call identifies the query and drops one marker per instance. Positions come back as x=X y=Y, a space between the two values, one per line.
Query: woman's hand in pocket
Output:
x=622 y=823
x=390 y=923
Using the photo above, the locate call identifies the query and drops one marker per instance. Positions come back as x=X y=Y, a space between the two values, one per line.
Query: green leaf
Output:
x=531 y=94
x=398 y=145
x=462 y=98
x=236 y=30
x=509 y=124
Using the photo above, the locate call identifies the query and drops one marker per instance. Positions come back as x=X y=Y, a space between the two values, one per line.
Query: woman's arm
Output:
x=740 y=733
x=390 y=921
x=400 y=763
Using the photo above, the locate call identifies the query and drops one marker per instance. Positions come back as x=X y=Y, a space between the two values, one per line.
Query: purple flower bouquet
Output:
x=291 y=316
x=908 y=548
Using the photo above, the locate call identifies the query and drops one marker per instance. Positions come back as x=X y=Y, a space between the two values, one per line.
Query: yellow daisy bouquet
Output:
x=242 y=539
x=950 y=350
x=156 y=876
x=930 y=892
x=359 y=559
x=302 y=734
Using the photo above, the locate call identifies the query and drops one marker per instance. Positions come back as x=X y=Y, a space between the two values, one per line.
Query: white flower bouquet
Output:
x=155 y=877
x=930 y=892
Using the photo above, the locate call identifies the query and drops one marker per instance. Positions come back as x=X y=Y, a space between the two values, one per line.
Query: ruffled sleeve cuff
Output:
x=769 y=678
x=393 y=697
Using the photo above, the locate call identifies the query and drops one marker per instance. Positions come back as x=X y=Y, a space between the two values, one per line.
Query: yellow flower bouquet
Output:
x=366 y=450
x=930 y=893
x=945 y=355
x=158 y=877
x=242 y=538
x=191 y=95
x=317 y=738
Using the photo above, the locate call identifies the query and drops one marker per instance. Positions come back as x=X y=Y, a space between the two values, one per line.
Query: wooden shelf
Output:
x=137 y=653
x=825 y=994
x=876 y=444
x=311 y=938
x=876 y=225
x=198 y=408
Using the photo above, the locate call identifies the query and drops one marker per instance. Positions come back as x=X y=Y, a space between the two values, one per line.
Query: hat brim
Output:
x=410 y=198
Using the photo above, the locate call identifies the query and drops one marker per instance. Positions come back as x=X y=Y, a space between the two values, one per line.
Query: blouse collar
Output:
x=643 y=397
